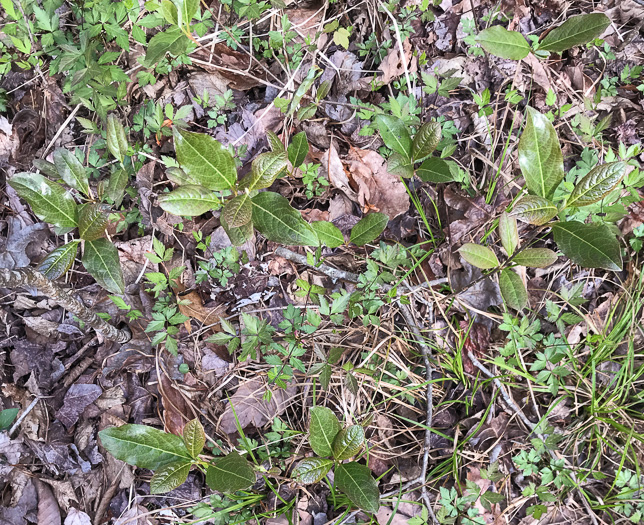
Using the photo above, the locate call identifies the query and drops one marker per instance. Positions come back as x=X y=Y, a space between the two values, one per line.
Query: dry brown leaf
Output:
x=175 y=409
x=191 y=305
x=306 y=23
x=250 y=407
x=77 y=517
x=378 y=189
x=474 y=475
x=392 y=66
x=48 y=511
x=335 y=172
x=234 y=66
x=137 y=515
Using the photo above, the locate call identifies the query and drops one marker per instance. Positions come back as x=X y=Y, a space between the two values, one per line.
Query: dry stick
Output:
x=30 y=277
x=425 y=350
x=532 y=427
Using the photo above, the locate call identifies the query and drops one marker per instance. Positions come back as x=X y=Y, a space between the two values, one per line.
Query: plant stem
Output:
x=29 y=277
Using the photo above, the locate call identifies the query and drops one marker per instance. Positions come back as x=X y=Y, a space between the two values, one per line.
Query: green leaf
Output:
x=116 y=138
x=588 y=245
x=328 y=234
x=48 y=200
x=274 y=142
x=170 y=476
x=205 y=160
x=395 y=134
x=325 y=375
x=194 y=437
x=534 y=210
x=8 y=416
x=323 y=429
x=179 y=177
x=479 y=256
x=426 y=140
x=435 y=170
x=48 y=168
x=508 y=232
x=535 y=257
x=598 y=183
x=240 y=234
x=575 y=31
x=356 y=482
x=279 y=222
x=368 y=228
x=230 y=474
x=238 y=211
x=143 y=446
x=101 y=260
x=312 y=470
x=498 y=41
x=92 y=218
x=189 y=201
x=188 y=10
x=116 y=186
x=58 y=261
x=399 y=165
x=170 y=12
x=512 y=289
x=173 y=40
x=71 y=170
x=348 y=442
x=540 y=157
x=298 y=148
x=265 y=169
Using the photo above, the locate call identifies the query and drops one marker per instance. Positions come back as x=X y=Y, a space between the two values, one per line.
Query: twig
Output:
x=23 y=416
x=29 y=277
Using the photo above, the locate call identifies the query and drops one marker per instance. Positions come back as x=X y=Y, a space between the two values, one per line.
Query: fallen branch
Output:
x=20 y=277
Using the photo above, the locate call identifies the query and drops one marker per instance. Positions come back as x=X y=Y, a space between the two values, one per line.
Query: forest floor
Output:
x=479 y=404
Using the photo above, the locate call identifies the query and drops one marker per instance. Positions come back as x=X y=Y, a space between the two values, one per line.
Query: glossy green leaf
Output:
x=116 y=186
x=497 y=40
x=588 y=245
x=58 y=261
x=179 y=177
x=479 y=256
x=194 y=437
x=540 y=157
x=265 y=169
x=189 y=201
x=575 y=31
x=172 y=40
x=169 y=477
x=508 y=232
x=101 y=260
x=238 y=211
x=312 y=470
x=598 y=183
x=230 y=474
x=435 y=170
x=143 y=446
x=274 y=142
x=534 y=210
x=188 y=10
x=348 y=442
x=368 y=228
x=399 y=165
x=298 y=149
x=116 y=138
x=426 y=140
x=8 y=416
x=536 y=257
x=92 y=219
x=395 y=134
x=328 y=234
x=279 y=222
x=322 y=430
x=512 y=289
x=71 y=170
x=50 y=201
x=205 y=160
x=356 y=482
x=48 y=168
x=238 y=235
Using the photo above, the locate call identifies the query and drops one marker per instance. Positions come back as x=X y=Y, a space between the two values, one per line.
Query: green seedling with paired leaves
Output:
x=407 y=152
x=329 y=440
x=74 y=206
x=171 y=457
x=591 y=245
x=207 y=180
x=576 y=31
